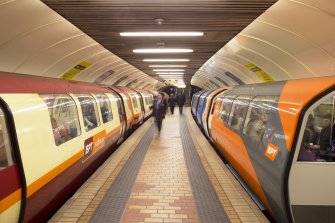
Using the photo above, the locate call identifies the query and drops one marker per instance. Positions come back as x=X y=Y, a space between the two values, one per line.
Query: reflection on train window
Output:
x=201 y=100
x=134 y=102
x=318 y=138
x=119 y=108
x=6 y=151
x=89 y=111
x=105 y=108
x=259 y=123
x=63 y=117
x=226 y=105
x=128 y=103
x=238 y=112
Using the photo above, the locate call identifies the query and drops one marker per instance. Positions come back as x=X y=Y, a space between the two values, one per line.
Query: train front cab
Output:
x=195 y=101
x=136 y=106
x=66 y=127
x=201 y=105
x=125 y=103
x=312 y=175
x=12 y=189
x=209 y=110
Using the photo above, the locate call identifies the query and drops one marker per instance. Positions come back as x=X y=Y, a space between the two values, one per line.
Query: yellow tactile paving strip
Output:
x=236 y=202
x=162 y=192
x=81 y=206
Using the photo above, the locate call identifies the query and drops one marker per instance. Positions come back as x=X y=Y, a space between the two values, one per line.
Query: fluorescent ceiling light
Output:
x=168 y=70
x=171 y=77
x=167 y=73
x=162 y=34
x=167 y=65
x=166 y=60
x=163 y=50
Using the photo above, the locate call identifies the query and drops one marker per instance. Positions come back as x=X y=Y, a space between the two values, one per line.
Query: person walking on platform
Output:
x=180 y=101
x=172 y=103
x=160 y=107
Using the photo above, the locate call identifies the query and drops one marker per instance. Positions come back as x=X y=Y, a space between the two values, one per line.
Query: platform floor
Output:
x=174 y=176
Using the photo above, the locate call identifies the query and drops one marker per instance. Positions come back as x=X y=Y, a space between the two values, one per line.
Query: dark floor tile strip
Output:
x=208 y=204
x=113 y=204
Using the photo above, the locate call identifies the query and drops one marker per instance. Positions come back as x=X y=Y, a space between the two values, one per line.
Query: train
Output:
x=278 y=140
x=54 y=134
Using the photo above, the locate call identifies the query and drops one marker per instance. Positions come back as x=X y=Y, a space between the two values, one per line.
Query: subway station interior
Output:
x=209 y=111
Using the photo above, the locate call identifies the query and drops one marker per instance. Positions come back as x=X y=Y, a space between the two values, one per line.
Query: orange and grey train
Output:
x=53 y=135
x=279 y=138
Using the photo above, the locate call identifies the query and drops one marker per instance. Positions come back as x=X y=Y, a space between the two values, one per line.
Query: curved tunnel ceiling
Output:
x=293 y=39
x=35 y=40
x=220 y=20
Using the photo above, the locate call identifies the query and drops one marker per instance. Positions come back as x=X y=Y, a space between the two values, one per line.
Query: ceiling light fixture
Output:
x=165 y=34
x=167 y=65
x=163 y=50
x=168 y=73
x=168 y=70
x=166 y=60
x=173 y=75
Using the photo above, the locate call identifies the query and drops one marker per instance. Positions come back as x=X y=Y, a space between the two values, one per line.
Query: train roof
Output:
x=18 y=83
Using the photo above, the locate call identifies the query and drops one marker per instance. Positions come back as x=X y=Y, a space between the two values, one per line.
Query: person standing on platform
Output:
x=180 y=101
x=160 y=107
x=172 y=103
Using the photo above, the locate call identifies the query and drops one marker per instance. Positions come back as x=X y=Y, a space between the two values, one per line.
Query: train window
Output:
x=6 y=151
x=128 y=103
x=105 y=108
x=238 y=112
x=318 y=139
x=226 y=105
x=133 y=99
x=63 y=117
x=259 y=113
x=89 y=111
x=201 y=100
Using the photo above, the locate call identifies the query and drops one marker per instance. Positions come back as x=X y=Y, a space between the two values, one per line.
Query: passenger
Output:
x=160 y=107
x=305 y=153
x=172 y=103
x=311 y=128
x=253 y=124
x=89 y=118
x=325 y=136
x=56 y=132
x=104 y=112
x=180 y=101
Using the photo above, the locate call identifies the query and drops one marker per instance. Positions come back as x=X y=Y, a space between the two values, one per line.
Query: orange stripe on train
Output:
x=39 y=183
x=294 y=97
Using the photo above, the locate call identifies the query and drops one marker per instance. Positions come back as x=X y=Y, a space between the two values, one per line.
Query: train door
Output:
x=208 y=124
x=123 y=119
x=142 y=106
x=311 y=182
x=12 y=186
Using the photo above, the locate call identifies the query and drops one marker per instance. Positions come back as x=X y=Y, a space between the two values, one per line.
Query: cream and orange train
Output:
x=279 y=139
x=53 y=135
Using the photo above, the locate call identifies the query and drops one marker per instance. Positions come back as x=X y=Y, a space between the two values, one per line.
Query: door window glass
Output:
x=238 y=112
x=105 y=108
x=226 y=105
x=6 y=151
x=318 y=141
x=89 y=111
x=259 y=113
